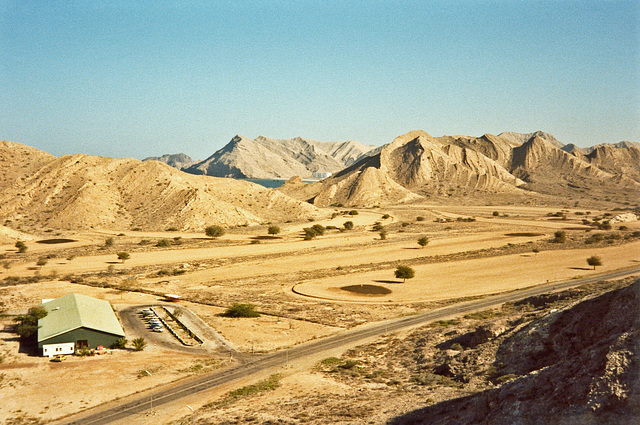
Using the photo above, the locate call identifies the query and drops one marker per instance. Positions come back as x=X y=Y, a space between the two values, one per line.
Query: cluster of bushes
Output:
x=313 y=231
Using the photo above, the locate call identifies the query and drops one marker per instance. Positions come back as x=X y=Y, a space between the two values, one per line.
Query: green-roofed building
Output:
x=77 y=321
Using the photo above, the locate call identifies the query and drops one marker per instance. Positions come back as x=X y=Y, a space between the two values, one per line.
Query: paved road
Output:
x=346 y=339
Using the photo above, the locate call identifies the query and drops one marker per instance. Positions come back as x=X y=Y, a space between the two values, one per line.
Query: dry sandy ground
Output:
x=245 y=269
x=476 y=277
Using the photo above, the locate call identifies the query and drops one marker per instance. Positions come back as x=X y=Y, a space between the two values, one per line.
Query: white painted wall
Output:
x=55 y=349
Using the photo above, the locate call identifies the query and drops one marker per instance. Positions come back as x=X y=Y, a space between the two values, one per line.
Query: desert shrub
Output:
x=22 y=247
x=319 y=229
x=273 y=230
x=419 y=218
x=423 y=241
x=241 y=310
x=348 y=225
x=598 y=237
x=383 y=234
x=385 y=216
x=405 y=224
x=108 y=242
x=214 y=231
x=404 y=273
x=172 y=229
x=559 y=236
x=123 y=256
x=377 y=226
x=623 y=228
x=162 y=243
x=353 y=212
x=594 y=261
x=496 y=214
x=41 y=262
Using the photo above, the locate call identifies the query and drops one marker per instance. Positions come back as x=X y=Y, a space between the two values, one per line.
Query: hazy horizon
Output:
x=152 y=78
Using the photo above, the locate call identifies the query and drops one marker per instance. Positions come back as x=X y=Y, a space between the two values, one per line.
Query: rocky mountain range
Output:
x=417 y=164
x=266 y=158
x=81 y=191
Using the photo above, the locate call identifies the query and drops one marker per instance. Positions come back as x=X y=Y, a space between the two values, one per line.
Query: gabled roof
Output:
x=75 y=311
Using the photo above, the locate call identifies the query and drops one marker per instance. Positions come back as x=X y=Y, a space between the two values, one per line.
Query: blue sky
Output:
x=134 y=80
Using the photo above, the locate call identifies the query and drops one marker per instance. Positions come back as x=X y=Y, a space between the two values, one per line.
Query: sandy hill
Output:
x=417 y=164
x=550 y=170
x=266 y=158
x=578 y=365
x=621 y=159
x=80 y=191
x=414 y=164
x=176 y=160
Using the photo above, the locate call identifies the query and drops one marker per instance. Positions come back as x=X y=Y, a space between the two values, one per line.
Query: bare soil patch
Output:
x=367 y=289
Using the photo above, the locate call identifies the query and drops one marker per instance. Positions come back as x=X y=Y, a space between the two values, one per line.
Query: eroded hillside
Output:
x=80 y=191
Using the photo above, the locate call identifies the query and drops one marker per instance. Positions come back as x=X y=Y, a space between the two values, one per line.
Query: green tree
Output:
x=348 y=225
x=123 y=256
x=22 y=247
x=423 y=241
x=139 y=344
x=404 y=273
x=214 y=231
x=273 y=230
x=594 y=261
x=27 y=325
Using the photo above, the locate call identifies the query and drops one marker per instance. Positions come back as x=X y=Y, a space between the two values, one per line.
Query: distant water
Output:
x=267 y=182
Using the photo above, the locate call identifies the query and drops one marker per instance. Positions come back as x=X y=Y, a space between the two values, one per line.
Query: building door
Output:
x=82 y=343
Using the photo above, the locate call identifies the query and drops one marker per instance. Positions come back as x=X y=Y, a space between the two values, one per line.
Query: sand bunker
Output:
x=374 y=290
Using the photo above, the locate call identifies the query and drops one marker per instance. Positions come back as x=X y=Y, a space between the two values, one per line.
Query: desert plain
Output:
x=297 y=285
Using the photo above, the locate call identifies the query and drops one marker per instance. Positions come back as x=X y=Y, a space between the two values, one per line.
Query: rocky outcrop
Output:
x=265 y=158
x=520 y=138
x=577 y=365
x=621 y=159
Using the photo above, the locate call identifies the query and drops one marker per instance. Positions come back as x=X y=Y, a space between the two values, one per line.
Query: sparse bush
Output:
x=273 y=230
x=172 y=229
x=241 y=310
x=419 y=218
x=385 y=216
x=594 y=261
x=496 y=214
x=214 y=231
x=559 y=237
x=162 y=243
x=423 y=241
x=377 y=226
x=383 y=234
x=22 y=247
x=353 y=212
x=404 y=273
x=123 y=256
x=319 y=229
x=41 y=262
x=348 y=225
x=108 y=242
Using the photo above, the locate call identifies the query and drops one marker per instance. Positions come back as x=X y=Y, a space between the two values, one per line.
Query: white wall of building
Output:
x=55 y=349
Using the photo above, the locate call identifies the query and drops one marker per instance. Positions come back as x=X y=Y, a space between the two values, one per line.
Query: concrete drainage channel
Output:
x=173 y=332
